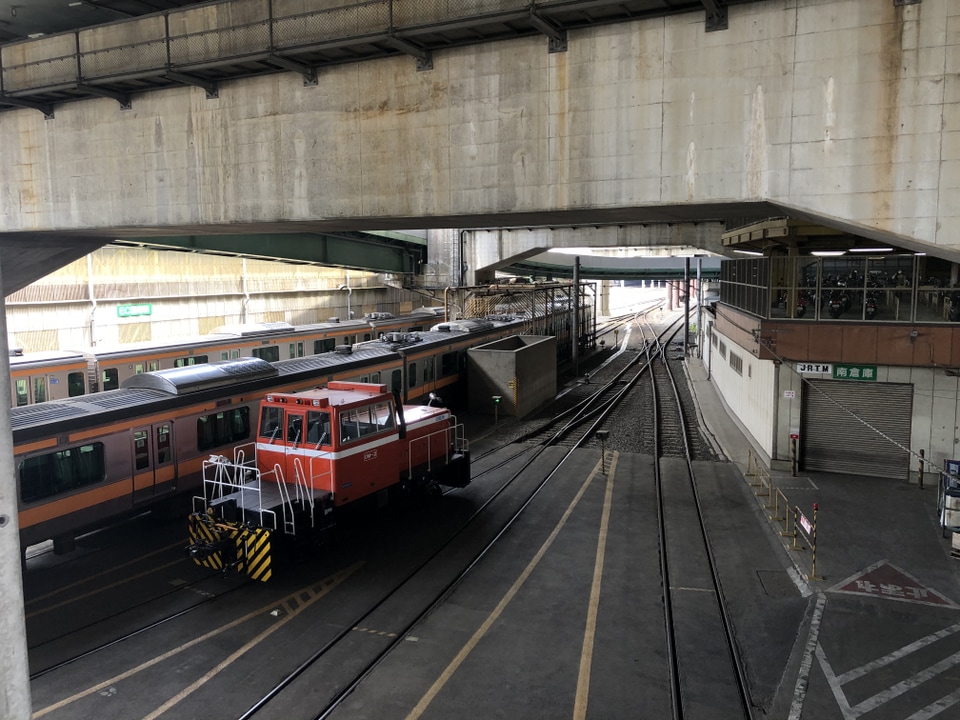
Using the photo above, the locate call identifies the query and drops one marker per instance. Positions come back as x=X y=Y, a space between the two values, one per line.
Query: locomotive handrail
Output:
x=458 y=443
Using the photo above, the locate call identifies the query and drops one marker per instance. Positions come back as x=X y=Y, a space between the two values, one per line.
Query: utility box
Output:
x=521 y=370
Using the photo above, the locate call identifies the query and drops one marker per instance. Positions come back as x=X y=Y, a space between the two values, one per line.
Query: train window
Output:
x=190 y=360
x=412 y=374
x=428 y=370
x=149 y=366
x=164 y=448
x=75 y=384
x=141 y=456
x=367 y=337
x=350 y=340
x=59 y=472
x=223 y=428
x=270 y=353
x=110 y=379
x=322 y=346
x=22 y=393
x=375 y=378
x=448 y=364
x=318 y=428
x=270 y=419
x=39 y=389
x=396 y=381
x=230 y=355
x=296 y=349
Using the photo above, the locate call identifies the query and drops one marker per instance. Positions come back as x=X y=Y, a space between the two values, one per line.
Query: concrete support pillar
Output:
x=14 y=669
x=669 y=292
x=576 y=316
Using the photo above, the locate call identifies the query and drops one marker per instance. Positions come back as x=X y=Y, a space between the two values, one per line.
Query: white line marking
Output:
x=908 y=684
x=803 y=677
x=897 y=654
x=845 y=709
x=802 y=585
x=933 y=709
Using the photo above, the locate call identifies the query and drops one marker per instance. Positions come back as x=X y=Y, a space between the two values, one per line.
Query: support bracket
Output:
x=210 y=87
x=309 y=73
x=45 y=108
x=716 y=15
x=424 y=57
x=122 y=98
x=556 y=38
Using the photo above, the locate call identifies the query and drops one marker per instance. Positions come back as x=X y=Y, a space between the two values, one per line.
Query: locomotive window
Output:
x=190 y=360
x=22 y=393
x=223 y=428
x=384 y=415
x=270 y=419
x=364 y=421
x=59 y=472
x=141 y=457
x=164 y=448
x=75 y=384
x=294 y=428
x=110 y=379
x=318 y=428
x=448 y=364
x=270 y=353
x=412 y=374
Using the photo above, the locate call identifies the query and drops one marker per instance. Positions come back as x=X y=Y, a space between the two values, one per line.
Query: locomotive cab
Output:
x=317 y=451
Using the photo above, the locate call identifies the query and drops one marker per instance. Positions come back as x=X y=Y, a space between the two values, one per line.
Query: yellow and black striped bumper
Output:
x=224 y=546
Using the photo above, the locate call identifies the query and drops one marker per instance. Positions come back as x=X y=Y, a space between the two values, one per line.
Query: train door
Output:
x=154 y=471
x=29 y=390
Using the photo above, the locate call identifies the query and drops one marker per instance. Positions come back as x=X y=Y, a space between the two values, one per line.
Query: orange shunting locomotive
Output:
x=316 y=451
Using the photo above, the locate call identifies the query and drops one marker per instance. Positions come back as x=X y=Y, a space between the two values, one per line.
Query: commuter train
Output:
x=314 y=452
x=86 y=460
x=44 y=376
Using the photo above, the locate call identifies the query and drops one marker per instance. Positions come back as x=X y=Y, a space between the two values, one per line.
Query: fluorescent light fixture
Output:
x=34 y=36
x=873 y=250
x=828 y=253
x=749 y=252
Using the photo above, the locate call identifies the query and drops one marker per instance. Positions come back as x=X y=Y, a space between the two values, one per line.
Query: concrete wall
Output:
x=189 y=295
x=521 y=369
x=842 y=108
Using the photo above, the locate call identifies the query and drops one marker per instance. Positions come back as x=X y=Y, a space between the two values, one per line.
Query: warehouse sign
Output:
x=134 y=310
x=855 y=372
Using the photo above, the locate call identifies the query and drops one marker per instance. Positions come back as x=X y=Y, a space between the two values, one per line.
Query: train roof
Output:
x=204 y=376
x=205 y=382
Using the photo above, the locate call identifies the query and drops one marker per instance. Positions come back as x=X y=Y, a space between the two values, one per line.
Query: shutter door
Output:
x=833 y=440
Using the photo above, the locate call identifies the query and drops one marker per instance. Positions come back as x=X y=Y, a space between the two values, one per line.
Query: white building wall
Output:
x=749 y=395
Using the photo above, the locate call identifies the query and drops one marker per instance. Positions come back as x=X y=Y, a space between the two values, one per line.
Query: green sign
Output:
x=855 y=372
x=134 y=310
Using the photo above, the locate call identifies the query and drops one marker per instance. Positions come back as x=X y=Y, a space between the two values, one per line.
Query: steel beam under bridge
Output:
x=390 y=252
x=595 y=267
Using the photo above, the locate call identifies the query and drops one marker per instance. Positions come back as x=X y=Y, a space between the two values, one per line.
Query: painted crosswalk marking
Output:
x=852 y=712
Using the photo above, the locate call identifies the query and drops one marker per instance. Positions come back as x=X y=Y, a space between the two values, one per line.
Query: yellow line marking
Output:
x=586 y=655
x=325 y=587
x=465 y=651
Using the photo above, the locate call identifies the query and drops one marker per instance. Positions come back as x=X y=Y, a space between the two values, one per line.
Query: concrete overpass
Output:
x=611 y=124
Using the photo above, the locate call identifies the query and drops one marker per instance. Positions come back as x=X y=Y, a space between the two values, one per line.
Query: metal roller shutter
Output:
x=833 y=440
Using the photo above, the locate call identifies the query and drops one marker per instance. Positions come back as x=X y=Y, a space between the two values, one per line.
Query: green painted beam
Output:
x=609 y=273
x=353 y=251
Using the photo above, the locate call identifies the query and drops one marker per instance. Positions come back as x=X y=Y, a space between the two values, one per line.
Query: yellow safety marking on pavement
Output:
x=90 y=578
x=586 y=654
x=316 y=591
x=494 y=615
